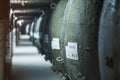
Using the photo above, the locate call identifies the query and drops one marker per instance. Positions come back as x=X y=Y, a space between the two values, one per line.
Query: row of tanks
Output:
x=80 y=38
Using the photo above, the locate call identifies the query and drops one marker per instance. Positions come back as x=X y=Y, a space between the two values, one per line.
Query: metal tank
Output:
x=37 y=33
x=41 y=29
x=32 y=30
x=109 y=40
x=79 y=39
x=46 y=35
x=56 y=28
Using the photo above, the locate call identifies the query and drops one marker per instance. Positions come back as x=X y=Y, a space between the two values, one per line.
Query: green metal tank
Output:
x=79 y=39
x=56 y=28
x=109 y=40
x=46 y=36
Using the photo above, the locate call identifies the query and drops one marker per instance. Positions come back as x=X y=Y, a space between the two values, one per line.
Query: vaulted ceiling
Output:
x=29 y=8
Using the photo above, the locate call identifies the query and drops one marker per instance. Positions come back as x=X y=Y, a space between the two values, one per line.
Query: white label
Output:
x=71 y=51
x=55 y=43
x=46 y=38
x=36 y=35
x=68 y=55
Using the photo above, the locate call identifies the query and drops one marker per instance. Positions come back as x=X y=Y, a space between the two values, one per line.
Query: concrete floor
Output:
x=27 y=64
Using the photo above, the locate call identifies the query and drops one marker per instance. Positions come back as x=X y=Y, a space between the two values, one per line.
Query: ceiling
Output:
x=31 y=1
x=29 y=8
x=18 y=4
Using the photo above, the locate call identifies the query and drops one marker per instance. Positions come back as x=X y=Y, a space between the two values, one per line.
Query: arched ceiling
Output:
x=29 y=8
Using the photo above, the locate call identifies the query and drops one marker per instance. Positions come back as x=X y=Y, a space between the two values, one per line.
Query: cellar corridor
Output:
x=60 y=40
x=27 y=64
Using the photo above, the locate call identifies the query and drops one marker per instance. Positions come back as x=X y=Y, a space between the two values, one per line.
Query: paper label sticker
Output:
x=55 y=43
x=46 y=38
x=41 y=35
x=52 y=44
x=68 y=55
x=36 y=35
x=71 y=51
